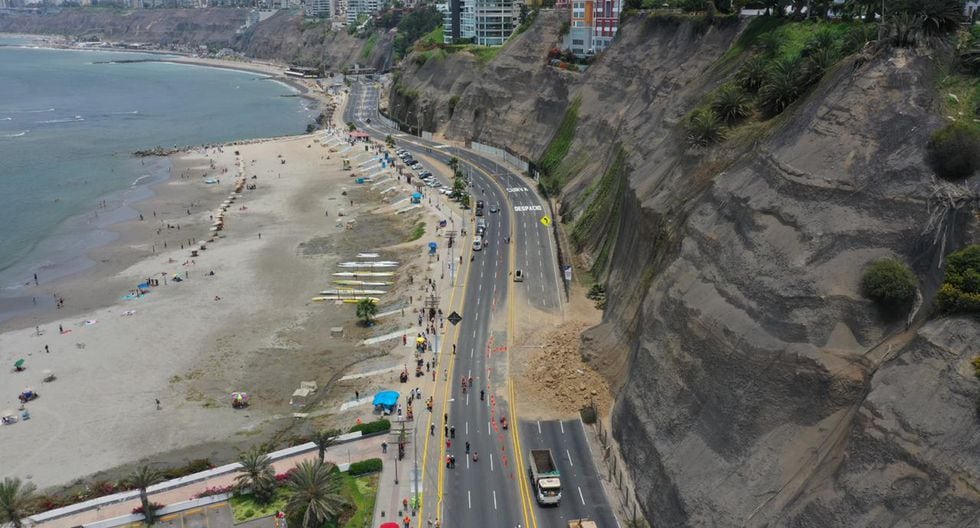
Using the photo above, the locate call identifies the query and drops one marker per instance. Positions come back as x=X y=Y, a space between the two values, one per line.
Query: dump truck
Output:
x=544 y=477
x=582 y=523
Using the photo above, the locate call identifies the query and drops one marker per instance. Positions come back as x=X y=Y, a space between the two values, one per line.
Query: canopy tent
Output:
x=388 y=399
x=19 y=364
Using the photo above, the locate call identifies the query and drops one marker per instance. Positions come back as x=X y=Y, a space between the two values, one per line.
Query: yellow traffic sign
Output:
x=546 y=220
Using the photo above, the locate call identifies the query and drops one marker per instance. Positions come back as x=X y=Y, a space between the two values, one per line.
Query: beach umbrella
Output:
x=19 y=363
x=420 y=340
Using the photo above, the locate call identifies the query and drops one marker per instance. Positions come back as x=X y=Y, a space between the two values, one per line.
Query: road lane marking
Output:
x=469 y=499
x=539 y=426
x=491 y=464
x=495 y=499
x=569 y=458
x=466 y=427
x=562 y=425
x=580 y=496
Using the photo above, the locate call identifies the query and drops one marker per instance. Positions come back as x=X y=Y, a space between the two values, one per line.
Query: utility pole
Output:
x=415 y=449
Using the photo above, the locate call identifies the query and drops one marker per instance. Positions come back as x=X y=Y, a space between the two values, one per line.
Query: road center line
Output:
x=495 y=499
x=569 y=458
x=469 y=499
x=580 y=496
x=562 y=425
x=539 y=426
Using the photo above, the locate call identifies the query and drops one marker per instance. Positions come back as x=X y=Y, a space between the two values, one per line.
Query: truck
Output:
x=479 y=208
x=582 y=523
x=544 y=477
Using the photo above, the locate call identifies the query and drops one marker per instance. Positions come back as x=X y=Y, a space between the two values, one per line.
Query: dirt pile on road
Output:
x=556 y=380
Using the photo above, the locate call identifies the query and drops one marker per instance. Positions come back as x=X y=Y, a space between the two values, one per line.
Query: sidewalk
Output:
x=339 y=454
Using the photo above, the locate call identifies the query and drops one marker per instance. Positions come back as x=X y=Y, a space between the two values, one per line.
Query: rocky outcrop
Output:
x=756 y=385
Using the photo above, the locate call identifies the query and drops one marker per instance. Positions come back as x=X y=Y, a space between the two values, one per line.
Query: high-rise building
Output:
x=592 y=25
x=356 y=8
x=319 y=8
x=483 y=22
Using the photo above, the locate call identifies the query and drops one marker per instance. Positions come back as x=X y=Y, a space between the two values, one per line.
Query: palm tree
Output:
x=323 y=439
x=731 y=104
x=316 y=493
x=142 y=479
x=257 y=474
x=15 y=500
x=366 y=310
x=704 y=128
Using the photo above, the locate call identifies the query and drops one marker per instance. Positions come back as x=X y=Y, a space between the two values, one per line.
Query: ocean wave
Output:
x=19 y=134
x=6 y=119
x=33 y=111
x=66 y=120
x=140 y=180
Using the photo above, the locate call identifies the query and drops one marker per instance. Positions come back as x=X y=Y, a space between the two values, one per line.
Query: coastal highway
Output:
x=495 y=490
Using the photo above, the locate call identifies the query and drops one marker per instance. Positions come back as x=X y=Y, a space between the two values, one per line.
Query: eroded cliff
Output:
x=756 y=385
x=285 y=37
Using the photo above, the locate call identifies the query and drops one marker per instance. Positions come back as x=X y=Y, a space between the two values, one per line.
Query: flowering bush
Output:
x=215 y=490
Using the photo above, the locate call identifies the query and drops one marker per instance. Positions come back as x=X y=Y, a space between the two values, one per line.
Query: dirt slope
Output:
x=756 y=385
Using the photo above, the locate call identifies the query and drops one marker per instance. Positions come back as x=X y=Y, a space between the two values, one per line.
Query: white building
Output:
x=483 y=22
x=356 y=8
x=319 y=8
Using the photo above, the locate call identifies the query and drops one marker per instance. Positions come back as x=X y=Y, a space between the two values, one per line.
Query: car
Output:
x=494 y=208
x=518 y=275
x=425 y=174
x=477 y=243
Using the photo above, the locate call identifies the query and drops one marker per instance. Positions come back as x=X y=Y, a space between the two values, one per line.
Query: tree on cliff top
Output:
x=414 y=26
x=890 y=283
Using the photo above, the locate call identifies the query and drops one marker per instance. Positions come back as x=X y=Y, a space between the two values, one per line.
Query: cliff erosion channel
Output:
x=756 y=385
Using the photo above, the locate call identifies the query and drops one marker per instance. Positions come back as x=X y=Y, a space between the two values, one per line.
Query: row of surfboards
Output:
x=354 y=279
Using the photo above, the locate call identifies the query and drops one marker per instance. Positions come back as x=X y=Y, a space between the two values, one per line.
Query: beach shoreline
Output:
x=189 y=344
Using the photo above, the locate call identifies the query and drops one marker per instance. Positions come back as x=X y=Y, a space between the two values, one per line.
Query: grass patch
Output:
x=362 y=492
x=418 y=232
x=484 y=54
x=961 y=98
x=244 y=508
x=433 y=38
x=558 y=148
x=369 y=46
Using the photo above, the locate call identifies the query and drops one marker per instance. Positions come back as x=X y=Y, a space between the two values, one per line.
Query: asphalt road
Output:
x=488 y=492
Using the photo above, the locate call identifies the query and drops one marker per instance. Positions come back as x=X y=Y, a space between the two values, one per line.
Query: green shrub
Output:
x=753 y=74
x=376 y=426
x=248 y=513
x=704 y=128
x=371 y=465
x=954 y=151
x=976 y=366
x=731 y=104
x=960 y=292
x=782 y=86
x=890 y=283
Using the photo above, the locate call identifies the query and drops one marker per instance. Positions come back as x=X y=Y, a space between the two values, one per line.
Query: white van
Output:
x=477 y=243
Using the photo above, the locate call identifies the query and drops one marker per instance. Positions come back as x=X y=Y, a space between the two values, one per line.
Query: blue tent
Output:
x=416 y=197
x=432 y=248
x=387 y=399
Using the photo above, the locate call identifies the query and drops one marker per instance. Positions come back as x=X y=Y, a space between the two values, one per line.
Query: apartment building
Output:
x=592 y=25
x=356 y=8
x=482 y=22
x=319 y=8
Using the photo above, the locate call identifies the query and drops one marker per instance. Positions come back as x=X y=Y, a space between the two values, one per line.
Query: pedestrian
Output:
x=432 y=430
x=35 y=279
x=384 y=447
x=357 y=395
x=260 y=236
x=158 y=403
x=467 y=448
x=449 y=461
x=454 y=349
x=445 y=429
x=404 y=339
x=46 y=349
x=452 y=432
x=60 y=329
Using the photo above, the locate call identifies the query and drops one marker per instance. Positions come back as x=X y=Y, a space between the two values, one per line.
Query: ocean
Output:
x=69 y=122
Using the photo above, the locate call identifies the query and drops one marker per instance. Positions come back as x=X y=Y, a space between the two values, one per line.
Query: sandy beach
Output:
x=251 y=326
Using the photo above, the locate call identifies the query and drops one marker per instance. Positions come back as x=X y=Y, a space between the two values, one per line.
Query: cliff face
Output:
x=161 y=27
x=289 y=38
x=513 y=100
x=285 y=37
x=757 y=386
